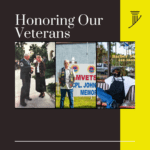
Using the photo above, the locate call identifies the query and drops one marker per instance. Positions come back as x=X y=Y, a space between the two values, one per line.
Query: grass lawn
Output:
x=79 y=102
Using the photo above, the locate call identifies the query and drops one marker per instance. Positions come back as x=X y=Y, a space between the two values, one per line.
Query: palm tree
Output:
x=19 y=50
x=101 y=52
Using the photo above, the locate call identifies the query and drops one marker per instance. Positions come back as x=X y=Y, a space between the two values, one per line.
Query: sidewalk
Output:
x=46 y=102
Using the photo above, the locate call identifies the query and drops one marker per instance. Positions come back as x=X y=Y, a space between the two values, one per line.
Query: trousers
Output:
x=104 y=97
x=25 y=90
x=70 y=95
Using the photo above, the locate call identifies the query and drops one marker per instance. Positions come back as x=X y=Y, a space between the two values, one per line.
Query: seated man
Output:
x=119 y=86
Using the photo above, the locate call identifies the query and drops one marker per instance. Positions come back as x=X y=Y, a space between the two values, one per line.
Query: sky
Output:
x=120 y=49
x=27 y=47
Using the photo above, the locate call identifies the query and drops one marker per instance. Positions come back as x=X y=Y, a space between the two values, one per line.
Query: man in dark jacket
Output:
x=25 y=75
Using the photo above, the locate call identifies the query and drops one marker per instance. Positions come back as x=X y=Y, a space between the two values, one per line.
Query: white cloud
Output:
x=120 y=49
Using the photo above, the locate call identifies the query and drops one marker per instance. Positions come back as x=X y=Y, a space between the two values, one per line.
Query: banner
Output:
x=85 y=83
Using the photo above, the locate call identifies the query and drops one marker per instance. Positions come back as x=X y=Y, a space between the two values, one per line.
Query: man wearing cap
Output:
x=119 y=86
x=25 y=75
x=66 y=80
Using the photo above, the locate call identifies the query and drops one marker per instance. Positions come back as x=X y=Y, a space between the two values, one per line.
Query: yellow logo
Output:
x=91 y=69
x=135 y=17
x=75 y=68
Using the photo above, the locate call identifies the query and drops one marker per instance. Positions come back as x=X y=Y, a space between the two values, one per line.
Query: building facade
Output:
x=51 y=50
x=82 y=52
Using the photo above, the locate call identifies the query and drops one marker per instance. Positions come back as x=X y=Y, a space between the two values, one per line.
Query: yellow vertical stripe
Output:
x=134 y=124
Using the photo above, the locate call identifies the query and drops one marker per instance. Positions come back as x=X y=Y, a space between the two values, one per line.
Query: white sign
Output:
x=85 y=83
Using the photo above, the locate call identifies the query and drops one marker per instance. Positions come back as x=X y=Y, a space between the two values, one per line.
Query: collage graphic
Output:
x=92 y=75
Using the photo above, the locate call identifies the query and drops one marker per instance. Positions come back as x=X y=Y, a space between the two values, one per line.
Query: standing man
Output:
x=66 y=80
x=25 y=75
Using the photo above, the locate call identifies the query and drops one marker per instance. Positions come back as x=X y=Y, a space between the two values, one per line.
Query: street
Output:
x=37 y=102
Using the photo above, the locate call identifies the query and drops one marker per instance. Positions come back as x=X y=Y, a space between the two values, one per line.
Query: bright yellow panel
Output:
x=134 y=125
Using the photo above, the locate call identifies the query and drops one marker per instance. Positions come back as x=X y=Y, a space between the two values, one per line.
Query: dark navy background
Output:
x=57 y=124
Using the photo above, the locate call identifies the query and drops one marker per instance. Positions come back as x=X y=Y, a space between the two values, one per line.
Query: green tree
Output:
x=42 y=51
x=50 y=68
x=101 y=52
x=19 y=50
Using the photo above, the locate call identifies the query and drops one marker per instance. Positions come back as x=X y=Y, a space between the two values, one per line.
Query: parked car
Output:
x=102 y=68
x=130 y=69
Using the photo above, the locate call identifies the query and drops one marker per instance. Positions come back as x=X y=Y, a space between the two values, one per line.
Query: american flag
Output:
x=126 y=44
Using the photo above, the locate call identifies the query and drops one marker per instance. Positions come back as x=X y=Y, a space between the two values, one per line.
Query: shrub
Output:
x=34 y=76
x=50 y=69
x=51 y=88
x=49 y=73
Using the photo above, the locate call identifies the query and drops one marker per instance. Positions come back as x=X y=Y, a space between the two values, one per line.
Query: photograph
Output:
x=34 y=74
x=115 y=75
x=75 y=74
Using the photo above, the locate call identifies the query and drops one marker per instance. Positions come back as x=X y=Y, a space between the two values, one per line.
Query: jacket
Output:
x=42 y=68
x=25 y=69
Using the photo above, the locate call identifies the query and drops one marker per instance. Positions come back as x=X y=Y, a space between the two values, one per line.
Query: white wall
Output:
x=82 y=52
x=50 y=48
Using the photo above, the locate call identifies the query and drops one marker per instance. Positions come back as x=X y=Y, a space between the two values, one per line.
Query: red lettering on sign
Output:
x=78 y=77
x=83 y=77
x=91 y=77
x=87 y=77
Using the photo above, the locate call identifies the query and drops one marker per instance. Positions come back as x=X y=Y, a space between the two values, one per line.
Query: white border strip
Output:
x=75 y=141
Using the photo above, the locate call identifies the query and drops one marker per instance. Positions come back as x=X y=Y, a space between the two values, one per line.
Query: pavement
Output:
x=37 y=102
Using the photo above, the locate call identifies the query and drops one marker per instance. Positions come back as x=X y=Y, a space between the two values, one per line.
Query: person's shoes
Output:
x=43 y=95
x=28 y=98
x=23 y=104
x=40 y=95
